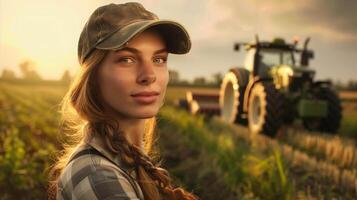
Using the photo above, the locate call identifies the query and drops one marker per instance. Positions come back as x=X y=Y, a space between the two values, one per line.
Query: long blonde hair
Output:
x=83 y=117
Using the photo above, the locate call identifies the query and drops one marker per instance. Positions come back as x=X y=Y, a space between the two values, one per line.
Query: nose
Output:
x=147 y=74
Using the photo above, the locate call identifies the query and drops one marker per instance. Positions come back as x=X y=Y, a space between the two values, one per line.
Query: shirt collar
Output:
x=99 y=144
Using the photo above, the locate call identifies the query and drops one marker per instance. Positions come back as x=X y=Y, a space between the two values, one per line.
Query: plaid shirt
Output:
x=92 y=176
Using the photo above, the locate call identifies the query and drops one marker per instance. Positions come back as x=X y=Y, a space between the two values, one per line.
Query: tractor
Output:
x=275 y=87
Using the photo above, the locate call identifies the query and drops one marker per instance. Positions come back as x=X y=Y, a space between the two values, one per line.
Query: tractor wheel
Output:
x=331 y=123
x=288 y=111
x=265 y=109
x=311 y=124
x=232 y=95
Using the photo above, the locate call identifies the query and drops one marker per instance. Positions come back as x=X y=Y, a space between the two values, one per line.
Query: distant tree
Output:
x=199 y=81
x=217 y=78
x=352 y=85
x=66 y=77
x=8 y=74
x=339 y=85
x=174 y=76
x=184 y=82
x=28 y=70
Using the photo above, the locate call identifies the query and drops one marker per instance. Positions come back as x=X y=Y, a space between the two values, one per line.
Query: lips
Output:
x=146 y=93
x=147 y=97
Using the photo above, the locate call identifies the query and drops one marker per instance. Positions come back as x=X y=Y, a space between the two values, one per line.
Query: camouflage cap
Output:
x=113 y=25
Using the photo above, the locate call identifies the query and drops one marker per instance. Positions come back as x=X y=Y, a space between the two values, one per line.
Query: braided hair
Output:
x=153 y=180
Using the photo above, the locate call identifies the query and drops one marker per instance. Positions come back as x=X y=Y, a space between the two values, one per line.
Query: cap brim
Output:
x=175 y=35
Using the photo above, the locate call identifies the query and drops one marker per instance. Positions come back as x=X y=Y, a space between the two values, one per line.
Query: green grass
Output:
x=234 y=156
x=28 y=138
x=349 y=126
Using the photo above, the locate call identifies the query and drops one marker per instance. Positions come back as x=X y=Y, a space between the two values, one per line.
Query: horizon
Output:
x=31 y=32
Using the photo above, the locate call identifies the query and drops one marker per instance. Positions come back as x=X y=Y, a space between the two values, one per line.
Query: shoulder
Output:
x=93 y=177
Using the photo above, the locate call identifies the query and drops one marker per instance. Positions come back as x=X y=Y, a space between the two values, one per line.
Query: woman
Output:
x=109 y=110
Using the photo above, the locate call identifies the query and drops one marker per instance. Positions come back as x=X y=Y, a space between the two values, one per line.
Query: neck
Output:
x=133 y=128
x=133 y=131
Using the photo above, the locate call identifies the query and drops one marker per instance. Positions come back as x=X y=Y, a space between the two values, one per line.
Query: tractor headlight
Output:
x=287 y=76
x=290 y=79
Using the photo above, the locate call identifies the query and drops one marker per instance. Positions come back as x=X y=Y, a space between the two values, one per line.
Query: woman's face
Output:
x=138 y=67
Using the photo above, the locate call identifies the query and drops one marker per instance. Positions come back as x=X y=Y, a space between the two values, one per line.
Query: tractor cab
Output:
x=261 y=61
x=278 y=60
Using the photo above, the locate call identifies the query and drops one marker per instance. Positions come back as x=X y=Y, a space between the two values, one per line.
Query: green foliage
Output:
x=28 y=135
x=246 y=170
x=268 y=176
x=11 y=163
x=349 y=126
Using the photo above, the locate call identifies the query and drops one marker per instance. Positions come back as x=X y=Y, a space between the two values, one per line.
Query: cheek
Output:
x=114 y=86
x=163 y=78
x=162 y=81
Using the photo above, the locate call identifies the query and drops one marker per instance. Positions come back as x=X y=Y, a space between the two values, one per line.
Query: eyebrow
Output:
x=136 y=51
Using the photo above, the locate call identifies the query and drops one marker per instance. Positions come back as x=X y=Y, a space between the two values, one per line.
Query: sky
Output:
x=46 y=32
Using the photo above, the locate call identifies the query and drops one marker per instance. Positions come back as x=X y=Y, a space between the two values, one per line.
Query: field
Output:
x=213 y=159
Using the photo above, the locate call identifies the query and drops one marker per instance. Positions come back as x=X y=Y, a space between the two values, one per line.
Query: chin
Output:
x=145 y=116
x=146 y=113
